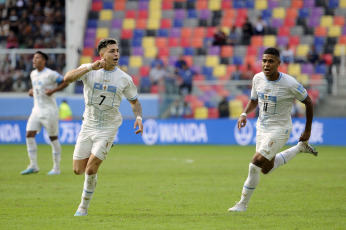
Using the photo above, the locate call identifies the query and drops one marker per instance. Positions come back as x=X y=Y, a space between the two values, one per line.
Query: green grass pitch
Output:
x=174 y=187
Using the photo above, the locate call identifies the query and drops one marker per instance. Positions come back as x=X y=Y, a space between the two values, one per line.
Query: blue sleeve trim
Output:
x=134 y=98
x=60 y=79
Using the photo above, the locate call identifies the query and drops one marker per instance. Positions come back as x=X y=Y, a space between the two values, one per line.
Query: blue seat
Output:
x=162 y=33
x=321 y=69
x=207 y=71
x=319 y=41
x=108 y=5
x=192 y=13
x=124 y=60
x=267 y=14
x=189 y=51
x=250 y=4
x=333 y=3
x=237 y=60
x=136 y=42
x=138 y=33
x=303 y=13
x=92 y=23
x=177 y=23
x=238 y=4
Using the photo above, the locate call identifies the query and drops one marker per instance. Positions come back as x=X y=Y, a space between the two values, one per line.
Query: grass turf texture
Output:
x=173 y=187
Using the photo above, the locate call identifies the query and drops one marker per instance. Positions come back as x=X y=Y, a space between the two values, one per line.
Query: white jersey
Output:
x=103 y=91
x=44 y=105
x=275 y=99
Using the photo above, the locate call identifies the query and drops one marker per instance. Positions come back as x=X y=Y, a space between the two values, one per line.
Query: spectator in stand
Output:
x=247 y=29
x=6 y=86
x=248 y=73
x=233 y=37
x=223 y=108
x=237 y=74
x=12 y=41
x=177 y=109
x=287 y=55
x=220 y=37
x=260 y=26
x=157 y=75
x=179 y=64
x=313 y=56
x=19 y=85
x=157 y=61
x=188 y=113
x=185 y=76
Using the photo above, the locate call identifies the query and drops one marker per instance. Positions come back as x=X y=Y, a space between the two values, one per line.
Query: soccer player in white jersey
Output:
x=45 y=82
x=104 y=86
x=273 y=92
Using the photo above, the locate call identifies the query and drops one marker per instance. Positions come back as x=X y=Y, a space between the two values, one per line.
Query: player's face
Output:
x=38 y=61
x=270 y=64
x=111 y=55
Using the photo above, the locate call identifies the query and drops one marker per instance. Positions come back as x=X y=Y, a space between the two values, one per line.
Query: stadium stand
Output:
x=171 y=28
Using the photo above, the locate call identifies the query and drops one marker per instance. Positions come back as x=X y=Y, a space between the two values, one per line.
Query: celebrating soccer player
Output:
x=104 y=85
x=273 y=92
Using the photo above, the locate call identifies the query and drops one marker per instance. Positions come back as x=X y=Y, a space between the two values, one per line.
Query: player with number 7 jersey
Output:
x=104 y=86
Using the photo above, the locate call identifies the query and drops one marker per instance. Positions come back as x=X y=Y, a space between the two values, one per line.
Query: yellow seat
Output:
x=155 y=5
x=303 y=79
x=269 y=40
x=302 y=50
x=219 y=70
x=129 y=23
x=261 y=4
x=279 y=12
x=342 y=4
x=148 y=42
x=326 y=21
x=150 y=51
x=102 y=33
x=155 y=14
x=85 y=59
x=334 y=31
x=235 y=107
x=153 y=24
x=201 y=113
x=338 y=49
x=214 y=5
x=212 y=61
x=135 y=61
x=294 y=69
x=106 y=15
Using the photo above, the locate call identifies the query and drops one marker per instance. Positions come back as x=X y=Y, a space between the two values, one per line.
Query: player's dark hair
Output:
x=45 y=56
x=272 y=51
x=105 y=42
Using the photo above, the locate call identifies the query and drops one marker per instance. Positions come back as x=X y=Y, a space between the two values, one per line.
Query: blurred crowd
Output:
x=27 y=24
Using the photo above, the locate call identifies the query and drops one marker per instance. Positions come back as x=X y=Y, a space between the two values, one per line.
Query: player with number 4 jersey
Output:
x=273 y=92
x=104 y=86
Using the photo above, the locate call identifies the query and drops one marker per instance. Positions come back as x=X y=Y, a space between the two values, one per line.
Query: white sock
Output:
x=250 y=184
x=56 y=153
x=32 y=151
x=285 y=156
x=88 y=191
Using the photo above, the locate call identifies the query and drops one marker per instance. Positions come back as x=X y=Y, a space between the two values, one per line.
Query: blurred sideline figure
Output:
x=44 y=113
x=104 y=85
x=273 y=92
x=65 y=112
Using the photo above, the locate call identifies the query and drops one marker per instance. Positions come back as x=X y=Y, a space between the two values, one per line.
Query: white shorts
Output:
x=50 y=123
x=97 y=142
x=268 y=144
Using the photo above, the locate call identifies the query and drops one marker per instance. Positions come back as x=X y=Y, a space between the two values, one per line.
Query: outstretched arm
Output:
x=309 y=110
x=137 y=111
x=251 y=105
x=73 y=75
